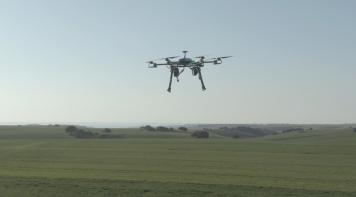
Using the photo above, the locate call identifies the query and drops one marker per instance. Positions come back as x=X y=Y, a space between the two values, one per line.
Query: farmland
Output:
x=44 y=161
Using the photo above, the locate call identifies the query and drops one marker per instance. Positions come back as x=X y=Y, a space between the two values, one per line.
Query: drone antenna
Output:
x=185 y=53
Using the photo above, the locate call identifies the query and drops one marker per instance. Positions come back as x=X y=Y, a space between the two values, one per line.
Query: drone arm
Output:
x=154 y=65
x=213 y=62
x=162 y=64
x=216 y=60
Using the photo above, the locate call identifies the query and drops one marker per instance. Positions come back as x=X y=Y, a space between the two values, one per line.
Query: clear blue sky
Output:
x=83 y=61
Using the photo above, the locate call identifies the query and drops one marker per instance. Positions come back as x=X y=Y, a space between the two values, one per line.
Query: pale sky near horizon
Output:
x=83 y=61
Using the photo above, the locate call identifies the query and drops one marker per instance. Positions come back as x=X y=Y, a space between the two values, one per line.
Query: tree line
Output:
x=82 y=133
x=164 y=129
x=195 y=134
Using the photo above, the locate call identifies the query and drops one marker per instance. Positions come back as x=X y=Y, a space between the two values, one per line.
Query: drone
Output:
x=178 y=67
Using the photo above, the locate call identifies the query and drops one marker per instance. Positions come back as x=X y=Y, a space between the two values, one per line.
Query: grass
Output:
x=42 y=161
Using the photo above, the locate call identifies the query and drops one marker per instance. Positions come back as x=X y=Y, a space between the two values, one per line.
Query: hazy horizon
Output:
x=84 y=61
x=139 y=124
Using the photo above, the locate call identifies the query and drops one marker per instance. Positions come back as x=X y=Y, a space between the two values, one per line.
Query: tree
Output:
x=71 y=129
x=148 y=128
x=236 y=136
x=106 y=130
x=183 y=128
x=200 y=134
x=78 y=133
x=163 y=129
x=354 y=129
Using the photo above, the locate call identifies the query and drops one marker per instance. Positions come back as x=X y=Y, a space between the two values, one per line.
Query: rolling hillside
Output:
x=44 y=161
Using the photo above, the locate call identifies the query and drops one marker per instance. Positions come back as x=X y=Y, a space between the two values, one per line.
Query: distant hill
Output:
x=338 y=136
x=241 y=132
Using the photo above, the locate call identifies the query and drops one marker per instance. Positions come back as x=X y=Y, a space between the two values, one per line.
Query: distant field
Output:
x=43 y=161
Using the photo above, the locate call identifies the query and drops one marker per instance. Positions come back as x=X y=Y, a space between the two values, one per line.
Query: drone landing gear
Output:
x=170 y=81
x=201 y=80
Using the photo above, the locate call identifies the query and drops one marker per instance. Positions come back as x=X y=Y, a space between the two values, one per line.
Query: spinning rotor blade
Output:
x=154 y=65
x=153 y=61
x=199 y=57
x=172 y=57
x=223 y=57
x=151 y=65
x=219 y=58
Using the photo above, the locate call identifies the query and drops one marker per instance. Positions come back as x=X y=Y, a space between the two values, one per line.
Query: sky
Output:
x=84 y=61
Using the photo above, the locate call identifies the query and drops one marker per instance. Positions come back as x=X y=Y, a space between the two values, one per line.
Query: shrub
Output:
x=236 y=136
x=78 y=133
x=81 y=133
x=200 y=134
x=183 y=128
x=71 y=129
x=163 y=129
x=148 y=128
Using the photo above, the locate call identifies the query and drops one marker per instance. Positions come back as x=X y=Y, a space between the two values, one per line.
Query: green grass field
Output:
x=43 y=161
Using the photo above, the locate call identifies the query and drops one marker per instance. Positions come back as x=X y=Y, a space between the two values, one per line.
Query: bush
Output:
x=78 y=133
x=183 y=128
x=200 y=134
x=71 y=129
x=236 y=136
x=148 y=128
x=354 y=129
x=83 y=134
x=163 y=129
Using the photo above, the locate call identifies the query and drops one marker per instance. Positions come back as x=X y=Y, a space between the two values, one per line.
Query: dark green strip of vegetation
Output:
x=44 y=187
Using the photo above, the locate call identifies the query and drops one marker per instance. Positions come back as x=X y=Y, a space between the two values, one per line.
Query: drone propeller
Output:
x=219 y=58
x=223 y=57
x=201 y=58
x=154 y=65
x=172 y=57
